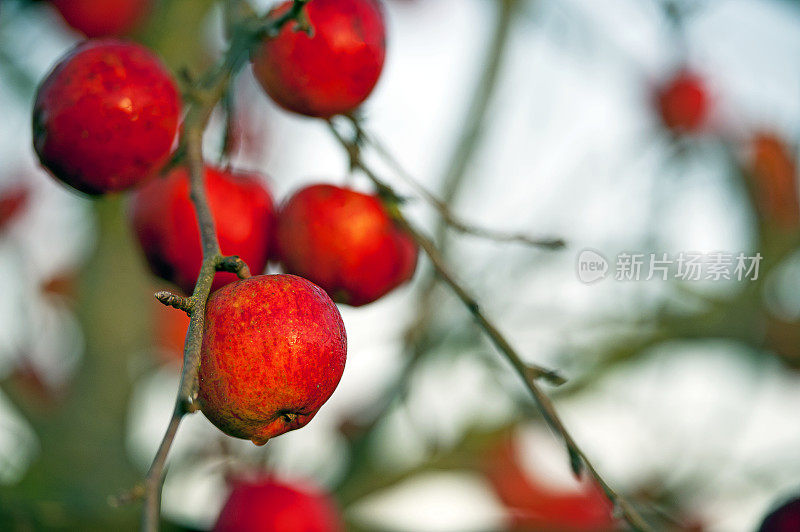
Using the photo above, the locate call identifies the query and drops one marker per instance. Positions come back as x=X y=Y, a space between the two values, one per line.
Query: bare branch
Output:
x=430 y=249
x=528 y=372
x=205 y=95
x=155 y=476
x=447 y=215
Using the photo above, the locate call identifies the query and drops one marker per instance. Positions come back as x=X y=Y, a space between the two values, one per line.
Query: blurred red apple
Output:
x=266 y=505
x=345 y=242
x=773 y=175
x=103 y=18
x=163 y=218
x=683 y=102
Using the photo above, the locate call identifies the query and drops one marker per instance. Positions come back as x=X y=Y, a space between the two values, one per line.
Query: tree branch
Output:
x=390 y=200
x=418 y=333
x=529 y=373
x=204 y=96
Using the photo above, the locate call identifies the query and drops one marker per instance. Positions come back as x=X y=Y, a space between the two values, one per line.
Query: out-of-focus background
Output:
x=684 y=393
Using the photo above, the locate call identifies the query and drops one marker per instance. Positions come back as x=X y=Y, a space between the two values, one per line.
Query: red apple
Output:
x=106 y=117
x=274 y=349
x=786 y=518
x=103 y=18
x=266 y=505
x=345 y=242
x=334 y=70
x=683 y=102
x=163 y=218
x=773 y=174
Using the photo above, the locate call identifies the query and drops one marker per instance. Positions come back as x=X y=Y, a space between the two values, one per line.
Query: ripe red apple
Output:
x=274 y=349
x=773 y=173
x=786 y=518
x=266 y=505
x=103 y=18
x=683 y=102
x=106 y=116
x=345 y=242
x=162 y=215
x=334 y=70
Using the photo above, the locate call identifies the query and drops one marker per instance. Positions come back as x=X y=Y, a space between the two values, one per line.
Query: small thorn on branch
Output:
x=537 y=372
x=575 y=462
x=234 y=264
x=174 y=300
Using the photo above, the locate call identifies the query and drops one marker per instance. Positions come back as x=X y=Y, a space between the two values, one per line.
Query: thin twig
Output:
x=444 y=210
x=155 y=475
x=529 y=373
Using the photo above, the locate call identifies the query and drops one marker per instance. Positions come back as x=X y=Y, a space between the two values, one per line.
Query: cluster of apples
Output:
x=106 y=119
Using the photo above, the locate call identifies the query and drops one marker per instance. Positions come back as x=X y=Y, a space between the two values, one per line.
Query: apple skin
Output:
x=786 y=518
x=274 y=349
x=773 y=174
x=683 y=102
x=103 y=18
x=345 y=242
x=163 y=219
x=332 y=72
x=106 y=117
x=266 y=505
